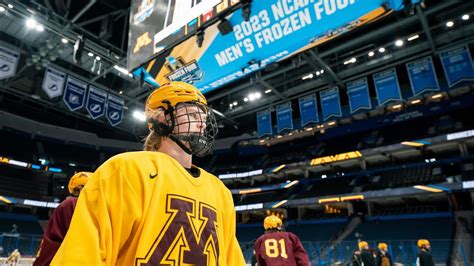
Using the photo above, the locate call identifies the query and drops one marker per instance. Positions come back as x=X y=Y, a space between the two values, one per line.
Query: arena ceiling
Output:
x=283 y=81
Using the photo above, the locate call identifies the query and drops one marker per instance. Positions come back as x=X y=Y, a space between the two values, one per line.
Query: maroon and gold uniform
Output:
x=280 y=248
x=55 y=231
x=144 y=208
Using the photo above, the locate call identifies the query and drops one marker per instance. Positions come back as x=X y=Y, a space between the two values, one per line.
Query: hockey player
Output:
x=383 y=258
x=59 y=222
x=365 y=255
x=424 y=255
x=154 y=207
x=276 y=247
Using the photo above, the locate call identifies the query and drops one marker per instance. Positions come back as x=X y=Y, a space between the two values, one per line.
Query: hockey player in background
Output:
x=276 y=247
x=424 y=255
x=59 y=221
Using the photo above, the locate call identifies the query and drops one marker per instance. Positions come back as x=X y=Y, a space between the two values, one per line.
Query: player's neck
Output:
x=172 y=149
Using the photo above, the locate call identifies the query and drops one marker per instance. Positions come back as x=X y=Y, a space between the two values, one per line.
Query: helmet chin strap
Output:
x=178 y=139
x=196 y=142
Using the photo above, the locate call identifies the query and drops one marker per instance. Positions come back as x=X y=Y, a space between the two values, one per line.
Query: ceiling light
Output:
x=10 y=6
x=97 y=58
x=322 y=71
x=139 y=115
x=230 y=105
x=262 y=141
x=279 y=136
x=413 y=37
x=63 y=40
x=449 y=24
x=415 y=101
x=381 y=50
x=90 y=54
x=268 y=91
x=121 y=69
x=371 y=53
x=246 y=99
x=309 y=76
x=436 y=96
x=31 y=23
x=251 y=97
x=2 y=9
x=309 y=129
x=235 y=103
x=332 y=123
x=318 y=73
x=258 y=95
x=427 y=188
x=39 y=27
x=465 y=17
x=399 y=43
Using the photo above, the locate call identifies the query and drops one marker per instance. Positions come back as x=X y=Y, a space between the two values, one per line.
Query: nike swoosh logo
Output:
x=153 y=176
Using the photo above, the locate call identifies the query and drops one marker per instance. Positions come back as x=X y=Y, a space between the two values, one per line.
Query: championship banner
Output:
x=115 y=110
x=276 y=30
x=95 y=104
x=74 y=93
x=8 y=62
x=358 y=92
x=457 y=65
x=284 y=117
x=422 y=76
x=264 y=123
x=387 y=87
x=308 y=109
x=53 y=82
x=330 y=104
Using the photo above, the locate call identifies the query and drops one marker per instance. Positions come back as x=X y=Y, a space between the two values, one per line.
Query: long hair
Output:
x=153 y=140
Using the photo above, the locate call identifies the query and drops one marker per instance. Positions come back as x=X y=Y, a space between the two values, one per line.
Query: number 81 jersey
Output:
x=280 y=248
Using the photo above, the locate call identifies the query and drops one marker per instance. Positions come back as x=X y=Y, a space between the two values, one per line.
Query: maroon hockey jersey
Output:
x=280 y=248
x=55 y=231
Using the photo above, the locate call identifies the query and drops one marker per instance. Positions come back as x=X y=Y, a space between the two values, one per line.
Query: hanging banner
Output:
x=387 y=87
x=284 y=117
x=74 y=93
x=308 y=109
x=8 y=62
x=95 y=104
x=275 y=30
x=264 y=123
x=114 y=110
x=422 y=76
x=330 y=104
x=53 y=82
x=358 y=92
x=457 y=65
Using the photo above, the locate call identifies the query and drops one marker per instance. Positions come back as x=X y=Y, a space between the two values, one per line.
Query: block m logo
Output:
x=189 y=236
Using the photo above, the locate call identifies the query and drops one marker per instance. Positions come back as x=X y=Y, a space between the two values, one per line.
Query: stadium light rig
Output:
x=138 y=115
x=413 y=37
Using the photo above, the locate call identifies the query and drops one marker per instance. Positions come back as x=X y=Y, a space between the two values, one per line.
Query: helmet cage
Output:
x=178 y=126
